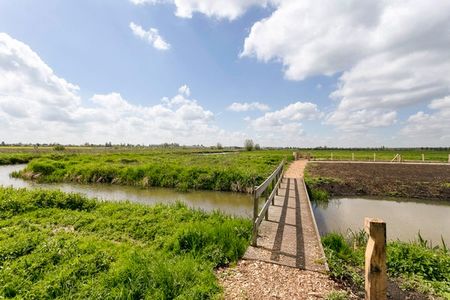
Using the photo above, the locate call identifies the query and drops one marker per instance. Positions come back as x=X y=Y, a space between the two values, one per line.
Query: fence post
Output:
x=449 y=158
x=353 y=156
x=374 y=157
x=375 y=264
x=423 y=157
x=255 y=215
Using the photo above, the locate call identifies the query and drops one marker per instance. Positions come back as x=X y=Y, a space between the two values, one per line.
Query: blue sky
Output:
x=344 y=76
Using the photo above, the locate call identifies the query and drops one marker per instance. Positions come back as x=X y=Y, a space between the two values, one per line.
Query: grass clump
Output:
x=417 y=265
x=57 y=245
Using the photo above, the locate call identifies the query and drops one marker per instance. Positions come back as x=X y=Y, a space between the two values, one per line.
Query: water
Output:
x=404 y=218
x=236 y=204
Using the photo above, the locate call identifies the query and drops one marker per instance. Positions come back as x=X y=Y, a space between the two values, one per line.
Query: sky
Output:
x=300 y=73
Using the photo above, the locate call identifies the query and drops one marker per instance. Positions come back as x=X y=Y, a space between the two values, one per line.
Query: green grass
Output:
x=417 y=265
x=183 y=170
x=381 y=155
x=58 y=245
x=16 y=158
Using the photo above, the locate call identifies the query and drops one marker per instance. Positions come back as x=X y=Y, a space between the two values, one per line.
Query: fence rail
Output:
x=273 y=180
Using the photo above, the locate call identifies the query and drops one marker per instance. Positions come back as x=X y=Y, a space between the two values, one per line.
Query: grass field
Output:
x=65 y=246
x=380 y=155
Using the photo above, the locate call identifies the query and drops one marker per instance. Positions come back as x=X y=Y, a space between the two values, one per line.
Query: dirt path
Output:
x=260 y=280
x=296 y=169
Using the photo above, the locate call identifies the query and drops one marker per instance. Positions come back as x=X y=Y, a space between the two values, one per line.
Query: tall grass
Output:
x=418 y=265
x=233 y=172
x=58 y=245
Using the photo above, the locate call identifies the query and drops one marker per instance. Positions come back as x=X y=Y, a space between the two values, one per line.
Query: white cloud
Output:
x=151 y=36
x=286 y=119
x=240 y=107
x=184 y=90
x=430 y=128
x=392 y=54
x=220 y=9
x=38 y=106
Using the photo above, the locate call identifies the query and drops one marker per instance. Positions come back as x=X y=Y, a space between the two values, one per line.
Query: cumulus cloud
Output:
x=244 y=106
x=430 y=128
x=392 y=54
x=38 y=106
x=286 y=119
x=220 y=9
x=151 y=36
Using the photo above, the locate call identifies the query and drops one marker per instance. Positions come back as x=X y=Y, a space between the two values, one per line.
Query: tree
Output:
x=257 y=147
x=219 y=146
x=248 y=145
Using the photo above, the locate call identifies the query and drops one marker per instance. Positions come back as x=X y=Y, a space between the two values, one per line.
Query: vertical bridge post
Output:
x=375 y=264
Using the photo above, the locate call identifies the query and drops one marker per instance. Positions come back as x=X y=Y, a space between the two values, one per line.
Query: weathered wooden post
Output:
x=375 y=265
x=449 y=158
x=255 y=216
x=423 y=157
x=353 y=156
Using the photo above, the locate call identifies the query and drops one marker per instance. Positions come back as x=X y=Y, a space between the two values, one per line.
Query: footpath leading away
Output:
x=288 y=262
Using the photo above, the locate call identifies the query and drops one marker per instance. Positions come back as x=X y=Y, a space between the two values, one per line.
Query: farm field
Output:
x=66 y=246
x=441 y=155
x=393 y=180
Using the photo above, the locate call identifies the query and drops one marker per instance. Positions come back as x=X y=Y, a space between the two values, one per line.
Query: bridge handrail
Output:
x=258 y=191
x=263 y=186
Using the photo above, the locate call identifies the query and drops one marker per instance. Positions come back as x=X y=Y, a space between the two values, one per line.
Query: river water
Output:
x=237 y=204
x=404 y=218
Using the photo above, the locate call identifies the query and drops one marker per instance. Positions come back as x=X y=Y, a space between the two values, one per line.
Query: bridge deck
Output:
x=289 y=236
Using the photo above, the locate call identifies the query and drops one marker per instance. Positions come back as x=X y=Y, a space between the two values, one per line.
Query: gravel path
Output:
x=260 y=280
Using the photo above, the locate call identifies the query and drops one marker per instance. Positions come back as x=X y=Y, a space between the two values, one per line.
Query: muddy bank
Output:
x=392 y=180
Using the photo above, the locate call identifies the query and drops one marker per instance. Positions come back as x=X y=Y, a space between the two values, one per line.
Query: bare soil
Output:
x=396 y=180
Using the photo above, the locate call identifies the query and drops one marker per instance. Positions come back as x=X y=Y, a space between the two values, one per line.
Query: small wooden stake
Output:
x=375 y=265
x=374 y=157
x=423 y=157
x=353 y=156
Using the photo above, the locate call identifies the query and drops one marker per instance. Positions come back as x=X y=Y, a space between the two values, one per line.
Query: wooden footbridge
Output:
x=285 y=230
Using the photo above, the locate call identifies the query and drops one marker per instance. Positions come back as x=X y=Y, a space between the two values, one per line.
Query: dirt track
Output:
x=398 y=180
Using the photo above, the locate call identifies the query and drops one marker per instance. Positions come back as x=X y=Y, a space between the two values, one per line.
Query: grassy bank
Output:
x=391 y=180
x=16 y=158
x=58 y=245
x=183 y=170
x=415 y=266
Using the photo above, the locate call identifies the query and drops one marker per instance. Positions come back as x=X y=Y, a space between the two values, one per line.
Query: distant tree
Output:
x=59 y=148
x=3 y=143
x=248 y=145
x=219 y=146
x=257 y=147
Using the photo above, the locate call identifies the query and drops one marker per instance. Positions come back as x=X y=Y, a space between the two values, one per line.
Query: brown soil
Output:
x=396 y=180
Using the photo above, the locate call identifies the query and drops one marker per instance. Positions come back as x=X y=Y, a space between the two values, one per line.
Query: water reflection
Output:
x=404 y=217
